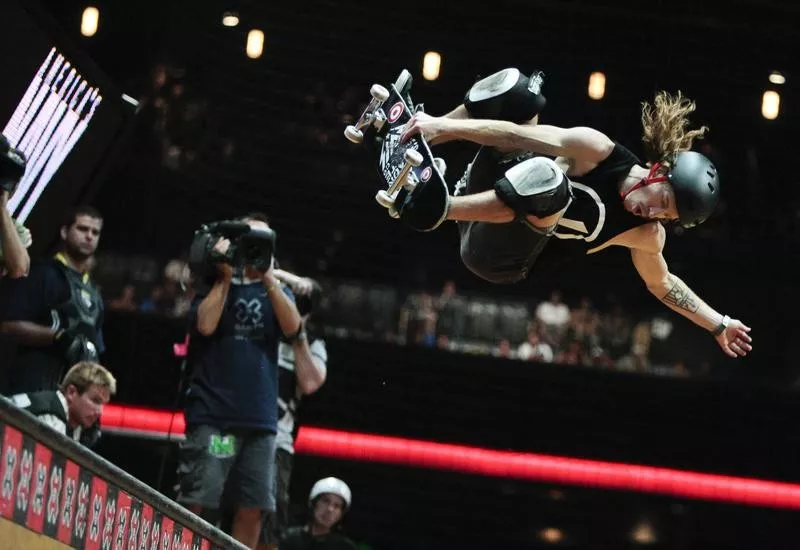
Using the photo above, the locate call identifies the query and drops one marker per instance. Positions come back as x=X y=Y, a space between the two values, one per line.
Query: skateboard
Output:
x=414 y=187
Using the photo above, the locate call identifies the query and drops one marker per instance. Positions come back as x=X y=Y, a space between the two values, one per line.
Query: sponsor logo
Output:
x=134 y=529
x=38 y=492
x=109 y=523
x=426 y=174
x=24 y=485
x=82 y=515
x=52 y=496
x=94 y=524
x=395 y=112
x=9 y=473
x=69 y=494
x=56 y=475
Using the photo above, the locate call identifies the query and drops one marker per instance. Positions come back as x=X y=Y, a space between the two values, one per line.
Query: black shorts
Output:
x=501 y=253
x=238 y=465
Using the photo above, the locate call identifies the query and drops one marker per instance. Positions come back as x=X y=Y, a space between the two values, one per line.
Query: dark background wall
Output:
x=267 y=135
x=712 y=425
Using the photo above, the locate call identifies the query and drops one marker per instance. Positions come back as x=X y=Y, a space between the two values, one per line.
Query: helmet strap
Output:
x=649 y=180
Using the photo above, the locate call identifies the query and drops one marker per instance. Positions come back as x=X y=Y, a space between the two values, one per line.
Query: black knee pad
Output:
x=506 y=95
x=536 y=186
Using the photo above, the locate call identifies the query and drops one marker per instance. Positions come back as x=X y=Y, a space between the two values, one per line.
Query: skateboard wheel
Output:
x=379 y=92
x=393 y=212
x=384 y=199
x=440 y=165
x=413 y=157
x=353 y=134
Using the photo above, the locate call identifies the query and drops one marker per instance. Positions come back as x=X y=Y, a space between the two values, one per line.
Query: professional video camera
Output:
x=249 y=247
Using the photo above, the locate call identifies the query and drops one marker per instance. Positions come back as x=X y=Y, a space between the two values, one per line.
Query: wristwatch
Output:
x=298 y=336
x=722 y=325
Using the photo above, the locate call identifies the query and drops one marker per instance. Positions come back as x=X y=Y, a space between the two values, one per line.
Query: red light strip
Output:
x=471 y=460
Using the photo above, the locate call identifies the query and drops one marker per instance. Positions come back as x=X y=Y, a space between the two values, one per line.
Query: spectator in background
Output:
x=615 y=333
x=125 y=301
x=418 y=320
x=535 y=349
x=156 y=302
x=503 y=349
x=75 y=408
x=575 y=354
x=303 y=369
x=638 y=359
x=328 y=502
x=605 y=336
x=451 y=310
x=179 y=284
x=55 y=314
x=554 y=316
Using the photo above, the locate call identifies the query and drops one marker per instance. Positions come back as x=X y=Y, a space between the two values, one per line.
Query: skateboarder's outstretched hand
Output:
x=428 y=126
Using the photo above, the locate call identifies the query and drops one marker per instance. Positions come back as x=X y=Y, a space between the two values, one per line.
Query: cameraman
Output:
x=14 y=238
x=55 y=314
x=231 y=405
x=303 y=367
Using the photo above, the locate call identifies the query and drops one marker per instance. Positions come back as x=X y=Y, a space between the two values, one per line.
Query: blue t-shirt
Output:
x=235 y=370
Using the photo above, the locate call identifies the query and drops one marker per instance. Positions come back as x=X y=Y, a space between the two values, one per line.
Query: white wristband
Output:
x=722 y=325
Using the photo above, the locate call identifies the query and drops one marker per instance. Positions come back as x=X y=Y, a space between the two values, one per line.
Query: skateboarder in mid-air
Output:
x=513 y=200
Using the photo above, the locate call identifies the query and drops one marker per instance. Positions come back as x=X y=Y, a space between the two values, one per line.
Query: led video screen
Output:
x=60 y=110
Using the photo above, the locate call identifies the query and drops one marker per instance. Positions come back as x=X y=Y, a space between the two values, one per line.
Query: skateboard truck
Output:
x=404 y=179
x=412 y=179
x=372 y=115
x=388 y=198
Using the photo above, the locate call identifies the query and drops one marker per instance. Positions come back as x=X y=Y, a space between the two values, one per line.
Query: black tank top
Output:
x=596 y=214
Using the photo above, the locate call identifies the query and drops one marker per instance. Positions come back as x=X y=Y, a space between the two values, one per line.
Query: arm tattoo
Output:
x=681 y=297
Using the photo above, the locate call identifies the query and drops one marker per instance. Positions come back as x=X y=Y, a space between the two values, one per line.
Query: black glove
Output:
x=91 y=435
x=12 y=166
x=74 y=347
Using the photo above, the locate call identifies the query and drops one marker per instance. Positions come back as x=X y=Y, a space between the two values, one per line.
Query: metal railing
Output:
x=58 y=488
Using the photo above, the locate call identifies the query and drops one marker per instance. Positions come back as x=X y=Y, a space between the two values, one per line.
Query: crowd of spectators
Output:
x=550 y=330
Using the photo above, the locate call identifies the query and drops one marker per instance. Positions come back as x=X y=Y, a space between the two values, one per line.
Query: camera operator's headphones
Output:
x=12 y=165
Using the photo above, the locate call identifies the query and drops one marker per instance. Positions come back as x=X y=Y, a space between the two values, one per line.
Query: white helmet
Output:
x=333 y=486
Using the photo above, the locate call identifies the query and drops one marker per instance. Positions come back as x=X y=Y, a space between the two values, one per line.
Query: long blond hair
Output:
x=666 y=127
